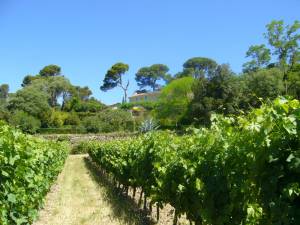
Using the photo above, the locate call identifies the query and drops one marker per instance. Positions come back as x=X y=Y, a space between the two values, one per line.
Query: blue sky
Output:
x=86 y=37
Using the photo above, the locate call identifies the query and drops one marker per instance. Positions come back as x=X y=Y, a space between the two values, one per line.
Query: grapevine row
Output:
x=28 y=167
x=241 y=170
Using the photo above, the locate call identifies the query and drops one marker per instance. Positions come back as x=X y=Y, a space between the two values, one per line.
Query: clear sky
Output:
x=86 y=37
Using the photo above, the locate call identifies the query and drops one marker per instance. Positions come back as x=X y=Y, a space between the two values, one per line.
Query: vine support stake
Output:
x=175 y=218
x=157 y=212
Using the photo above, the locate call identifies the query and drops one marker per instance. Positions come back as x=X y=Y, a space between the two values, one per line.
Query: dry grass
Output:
x=77 y=199
x=82 y=197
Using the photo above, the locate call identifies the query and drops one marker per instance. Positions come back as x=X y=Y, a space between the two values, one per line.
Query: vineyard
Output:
x=28 y=166
x=241 y=170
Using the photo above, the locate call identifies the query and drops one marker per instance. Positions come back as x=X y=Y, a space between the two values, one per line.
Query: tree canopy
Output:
x=114 y=78
x=50 y=71
x=149 y=76
x=173 y=101
x=200 y=66
x=4 y=90
x=260 y=55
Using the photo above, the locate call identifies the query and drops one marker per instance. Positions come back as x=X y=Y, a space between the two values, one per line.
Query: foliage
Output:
x=4 y=89
x=83 y=93
x=219 y=93
x=78 y=105
x=31 y=100
x=263 y=84
x=80 y=148
x=28 y=167
x=241 y=170
x=57 y=119
x=260 y=55
x=284 y=40
x=148 y=76
x=72 y=119
x=148 y=125
x=50 y=71
x=93 y=124
x=25 y=122
x=200 y=67
x=28 y=79
x=173 y=101
x=294 y=81
x=109 y=120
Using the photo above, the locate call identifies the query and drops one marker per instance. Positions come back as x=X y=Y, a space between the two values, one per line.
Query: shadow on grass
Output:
x=124 y=208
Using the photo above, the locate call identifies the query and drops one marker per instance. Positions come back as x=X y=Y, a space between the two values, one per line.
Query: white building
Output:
x=145 y=97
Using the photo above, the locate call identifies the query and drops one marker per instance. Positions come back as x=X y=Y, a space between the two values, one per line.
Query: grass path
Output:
x=79 y=198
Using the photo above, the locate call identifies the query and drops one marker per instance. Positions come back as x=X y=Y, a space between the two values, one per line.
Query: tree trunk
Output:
x=134 y=191
x=150 y=208
x=157 y=212
x=125 y=88
x=141 y=195
x=145 y=202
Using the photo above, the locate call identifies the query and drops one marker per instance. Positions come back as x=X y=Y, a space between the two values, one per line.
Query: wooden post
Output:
x=157 y=212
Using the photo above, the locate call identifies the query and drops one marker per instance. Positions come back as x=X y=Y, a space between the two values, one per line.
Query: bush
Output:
x=109 y=121
x=25 y=122
x=57 y=119
x=80 y=148
x=93 y=124
x=72 y=119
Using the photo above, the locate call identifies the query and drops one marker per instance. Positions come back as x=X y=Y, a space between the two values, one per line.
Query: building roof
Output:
x=145 y=94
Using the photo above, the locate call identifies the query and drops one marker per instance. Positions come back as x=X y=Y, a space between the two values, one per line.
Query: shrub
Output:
x=109 y=121
x=57 y=119
x=92 y=124
x=25 y=122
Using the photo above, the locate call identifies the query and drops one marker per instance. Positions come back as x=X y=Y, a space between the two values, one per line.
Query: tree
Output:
x=200 y=67
x=83 y=93
x=78 y=105
x=264 y=84
x=173 y=101
x=4 y=89
x=294 y=81
x=148 y=76
x=50 y=71
x=219 y=93
x=285 y=43
x=54 y=87
x=186 y=72
x=58 y=87
x=113 y=78
x=260 y=55
x=30 y=100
